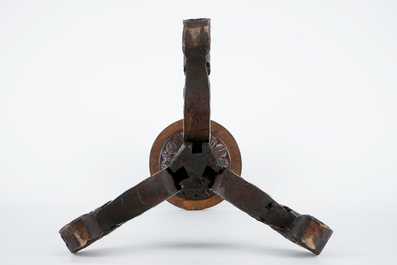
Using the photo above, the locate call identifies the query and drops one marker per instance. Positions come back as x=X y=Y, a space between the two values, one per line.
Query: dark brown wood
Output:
x=303 y=230
x=196 y=47
x=90 y=227
x=165 y=147
x=198 y=166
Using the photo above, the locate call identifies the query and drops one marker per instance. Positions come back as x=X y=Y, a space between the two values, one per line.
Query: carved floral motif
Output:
x=175 y=141
x=171 y=147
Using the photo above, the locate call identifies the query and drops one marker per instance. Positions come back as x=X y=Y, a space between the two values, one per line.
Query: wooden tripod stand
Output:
x=195 y=164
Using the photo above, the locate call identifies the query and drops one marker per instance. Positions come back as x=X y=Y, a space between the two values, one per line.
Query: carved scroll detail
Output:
x=171 y=147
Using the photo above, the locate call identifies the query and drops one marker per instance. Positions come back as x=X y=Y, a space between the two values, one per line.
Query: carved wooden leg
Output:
x=196 y=44
x=90 y=227
x=304 y=230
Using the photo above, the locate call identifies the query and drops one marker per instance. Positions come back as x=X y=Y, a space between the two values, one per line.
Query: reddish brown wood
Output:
x=219 y=136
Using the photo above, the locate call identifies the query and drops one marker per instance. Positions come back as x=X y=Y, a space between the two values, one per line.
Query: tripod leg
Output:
x=303 y=230
x=90 y=227
x=196 y=44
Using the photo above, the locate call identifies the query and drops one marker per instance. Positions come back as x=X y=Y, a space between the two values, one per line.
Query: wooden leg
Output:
x=304 y=230
x=90 y=227
x=196 y=44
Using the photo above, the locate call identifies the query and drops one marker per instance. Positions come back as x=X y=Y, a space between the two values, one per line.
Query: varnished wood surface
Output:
x=88 y=228
x=303 y=230
x=218 y=130
x=196 y=47
x=196 y=167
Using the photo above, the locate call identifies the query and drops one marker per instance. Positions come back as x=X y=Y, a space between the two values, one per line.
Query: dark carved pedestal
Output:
x=195 y=164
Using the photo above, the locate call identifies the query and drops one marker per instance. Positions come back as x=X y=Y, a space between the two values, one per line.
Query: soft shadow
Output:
x=99 y=252
x=279 y=252
x=181 y=246
x=113 y=251
x=299 y=254
x=291 y=253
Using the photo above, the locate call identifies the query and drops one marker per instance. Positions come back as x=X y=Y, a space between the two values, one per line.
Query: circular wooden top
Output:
x=227 y=151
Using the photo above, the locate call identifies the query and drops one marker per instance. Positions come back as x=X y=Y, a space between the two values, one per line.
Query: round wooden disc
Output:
x=170 y=139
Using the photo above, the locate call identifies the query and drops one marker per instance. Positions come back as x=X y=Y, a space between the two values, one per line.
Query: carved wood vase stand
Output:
x=195 y=164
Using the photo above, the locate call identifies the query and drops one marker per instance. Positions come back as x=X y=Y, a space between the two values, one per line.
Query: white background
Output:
x=307 y=88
